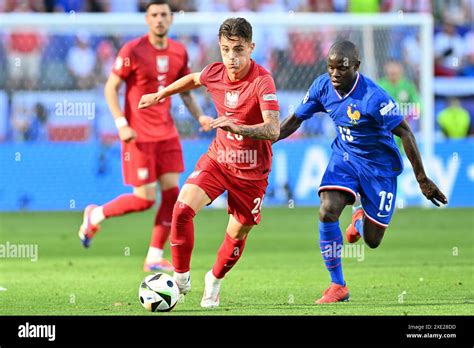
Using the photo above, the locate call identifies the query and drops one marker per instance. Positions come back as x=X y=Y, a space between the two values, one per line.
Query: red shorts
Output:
x=143 y=163
x=245 y=197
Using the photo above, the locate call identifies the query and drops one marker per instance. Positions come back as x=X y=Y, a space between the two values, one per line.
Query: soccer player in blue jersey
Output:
x=365 y=159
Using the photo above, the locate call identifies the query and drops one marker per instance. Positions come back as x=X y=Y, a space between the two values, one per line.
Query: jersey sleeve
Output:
x=266 y=94
x=123 y=63
x=205 y=74
x=311 y=103
x=384 y=110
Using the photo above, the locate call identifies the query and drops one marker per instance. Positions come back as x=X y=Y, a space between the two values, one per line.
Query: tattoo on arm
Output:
x=268 y=130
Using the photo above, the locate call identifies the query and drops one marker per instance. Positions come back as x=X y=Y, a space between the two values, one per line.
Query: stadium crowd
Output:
x=83 y=62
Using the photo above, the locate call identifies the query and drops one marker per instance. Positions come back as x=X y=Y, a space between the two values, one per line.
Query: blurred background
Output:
x=59 y=148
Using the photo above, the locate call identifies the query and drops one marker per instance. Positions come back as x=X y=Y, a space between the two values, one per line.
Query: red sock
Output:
x=124 y=204
x=162 y=228
x=228 y=255
x=182 y=236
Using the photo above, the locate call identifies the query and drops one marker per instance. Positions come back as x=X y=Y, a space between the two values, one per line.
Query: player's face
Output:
x=342 y=71
x=235 y=53
x=394 y=71
x=159 y=19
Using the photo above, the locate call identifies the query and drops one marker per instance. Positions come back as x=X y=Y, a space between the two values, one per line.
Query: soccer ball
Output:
x=158 y=293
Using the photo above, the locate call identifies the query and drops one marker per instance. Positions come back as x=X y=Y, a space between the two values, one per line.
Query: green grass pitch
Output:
x=424 y=266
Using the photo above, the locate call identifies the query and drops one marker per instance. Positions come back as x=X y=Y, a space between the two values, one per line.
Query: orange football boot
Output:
x=352 y=235
x=335 y=293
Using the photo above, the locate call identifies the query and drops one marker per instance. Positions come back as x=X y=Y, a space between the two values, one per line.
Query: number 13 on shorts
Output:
x=258 y=207
x=386 y=200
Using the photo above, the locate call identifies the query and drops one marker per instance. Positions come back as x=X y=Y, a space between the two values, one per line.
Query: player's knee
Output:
x=147 y=191
x=239 y=234
x=373 y=241
x=327 y=214
x=182 y=213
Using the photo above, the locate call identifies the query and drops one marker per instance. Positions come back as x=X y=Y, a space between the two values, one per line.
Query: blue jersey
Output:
x=364 y=118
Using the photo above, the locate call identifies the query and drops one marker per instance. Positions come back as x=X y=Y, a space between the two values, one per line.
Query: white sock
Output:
x=154 y=254
x=97 y=215
x=181 y=277
x=213 y=278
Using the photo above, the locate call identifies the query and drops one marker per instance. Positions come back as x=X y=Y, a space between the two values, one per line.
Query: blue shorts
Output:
x=377 y=193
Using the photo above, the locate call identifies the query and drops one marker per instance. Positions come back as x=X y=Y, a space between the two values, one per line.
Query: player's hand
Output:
x=148 y=100
x=127 y=134
x=205 y=122
x=432 y=192
x=226 y=124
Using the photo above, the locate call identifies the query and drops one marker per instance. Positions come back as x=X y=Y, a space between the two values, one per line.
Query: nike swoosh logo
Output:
x=174 y=244
x=328 y=110
x=228 y=113
x=382 y=216
x=161 y=78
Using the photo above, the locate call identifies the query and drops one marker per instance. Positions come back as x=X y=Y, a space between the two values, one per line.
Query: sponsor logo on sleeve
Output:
x=268 y=97
x=306 y=97
x=386 y=109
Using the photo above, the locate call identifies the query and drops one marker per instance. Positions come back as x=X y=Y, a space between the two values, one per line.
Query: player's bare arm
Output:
x=193 y=106
x=428 y=187
x=269 y=129
x=288 y=126
x=184 y=84
x=111 y=93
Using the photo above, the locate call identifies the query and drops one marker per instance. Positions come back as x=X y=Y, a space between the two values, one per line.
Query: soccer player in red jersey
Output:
x=151 y=150
x=238 y=160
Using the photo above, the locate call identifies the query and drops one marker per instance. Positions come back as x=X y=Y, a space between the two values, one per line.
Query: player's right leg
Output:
x=330 y=241
x=191 y=200
x=200 y=189
x=339 y=187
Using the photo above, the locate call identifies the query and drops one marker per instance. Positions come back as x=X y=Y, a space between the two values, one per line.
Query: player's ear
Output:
x=357 y=65
x=252 y=46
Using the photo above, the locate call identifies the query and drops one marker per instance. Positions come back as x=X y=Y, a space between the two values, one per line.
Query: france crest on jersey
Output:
x=364 y=118
x=365 y=157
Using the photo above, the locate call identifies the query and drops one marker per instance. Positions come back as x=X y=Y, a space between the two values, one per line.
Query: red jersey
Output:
x=147 y=69
x=243 y=101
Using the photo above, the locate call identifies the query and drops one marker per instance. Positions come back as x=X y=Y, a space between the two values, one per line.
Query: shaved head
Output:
x=343 y=63
x=345 y=49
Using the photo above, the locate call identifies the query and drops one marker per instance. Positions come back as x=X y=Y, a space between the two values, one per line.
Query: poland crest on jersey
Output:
x=231 y=99
x=162 y=64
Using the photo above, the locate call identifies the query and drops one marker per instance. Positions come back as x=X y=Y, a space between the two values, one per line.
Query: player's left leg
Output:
x=169 y=194
x=373 y=233
x=245 y=201
x=229 y=253
x=168 y=162
x=378 y=195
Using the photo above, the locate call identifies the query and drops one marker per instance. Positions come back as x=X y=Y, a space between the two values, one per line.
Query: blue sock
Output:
x=359 y=225
x=330 y=242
